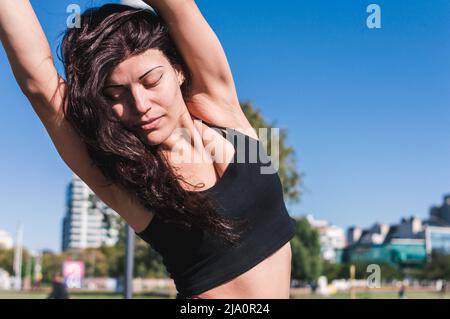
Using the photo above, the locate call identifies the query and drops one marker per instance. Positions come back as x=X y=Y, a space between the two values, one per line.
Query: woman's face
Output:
x=145 y=87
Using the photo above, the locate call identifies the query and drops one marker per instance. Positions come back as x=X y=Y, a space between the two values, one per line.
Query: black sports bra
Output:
x=197 y=262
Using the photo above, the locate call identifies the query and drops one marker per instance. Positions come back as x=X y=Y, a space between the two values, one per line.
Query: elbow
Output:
x=46 y=101
x=33 y=92
x=30 y=88
x=43 y=90
x=36 y=82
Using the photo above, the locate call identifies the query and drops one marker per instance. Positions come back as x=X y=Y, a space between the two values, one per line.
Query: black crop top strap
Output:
x=247 y=145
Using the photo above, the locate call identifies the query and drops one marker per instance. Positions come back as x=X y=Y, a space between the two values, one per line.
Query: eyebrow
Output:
x=140 y=78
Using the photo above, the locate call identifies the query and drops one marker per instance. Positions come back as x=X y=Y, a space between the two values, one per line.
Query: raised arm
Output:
x=31 y=61
x=30 y=56
x=200 y=48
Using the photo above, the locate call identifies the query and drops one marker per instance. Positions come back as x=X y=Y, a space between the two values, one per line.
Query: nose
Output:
x=141 y=103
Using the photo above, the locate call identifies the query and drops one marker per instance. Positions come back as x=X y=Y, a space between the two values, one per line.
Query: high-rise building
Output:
x=332 y=237
x=440 y=215
x=88 y=221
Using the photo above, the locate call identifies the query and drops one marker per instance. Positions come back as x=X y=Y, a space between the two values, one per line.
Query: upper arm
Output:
x=73 y=151
x=201 y=49
x=25 y=44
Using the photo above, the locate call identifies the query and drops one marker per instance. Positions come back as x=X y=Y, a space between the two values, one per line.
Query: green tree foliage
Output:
x=115 y=255
x=96 y=262
x=147 y=262
x=51 y=264
x=331 y=270
x=342 y=271
x=7 y=259
x=306 y=258
x=289 y=176
x=437 y=267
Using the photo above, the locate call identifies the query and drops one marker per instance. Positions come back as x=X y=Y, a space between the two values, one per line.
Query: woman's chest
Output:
x=206 y=162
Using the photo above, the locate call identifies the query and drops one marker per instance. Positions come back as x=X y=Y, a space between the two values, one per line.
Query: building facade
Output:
x=332 y=238
x=408 y=243
x=397 y=252
x=88 y=222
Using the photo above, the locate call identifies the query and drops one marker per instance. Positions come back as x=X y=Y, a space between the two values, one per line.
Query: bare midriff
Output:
x=269 y=279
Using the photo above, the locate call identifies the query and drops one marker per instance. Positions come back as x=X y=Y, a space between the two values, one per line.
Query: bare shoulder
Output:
x=220 y=113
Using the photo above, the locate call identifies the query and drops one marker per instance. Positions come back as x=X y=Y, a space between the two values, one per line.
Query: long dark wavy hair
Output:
x=108 y=35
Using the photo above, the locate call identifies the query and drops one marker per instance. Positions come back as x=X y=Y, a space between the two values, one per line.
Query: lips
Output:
x=152 y=123
x=149 y=121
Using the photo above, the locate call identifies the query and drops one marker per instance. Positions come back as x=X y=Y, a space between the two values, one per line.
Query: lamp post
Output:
x=18 y=259
x=129 y=257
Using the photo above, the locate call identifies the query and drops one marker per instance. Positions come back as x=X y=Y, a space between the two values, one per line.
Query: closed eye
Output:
x=114 y=93
x=151 y=81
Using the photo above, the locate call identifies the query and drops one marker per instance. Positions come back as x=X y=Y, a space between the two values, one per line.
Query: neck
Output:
x=185 y=137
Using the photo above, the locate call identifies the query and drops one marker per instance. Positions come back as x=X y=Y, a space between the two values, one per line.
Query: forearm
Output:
x=26 y=45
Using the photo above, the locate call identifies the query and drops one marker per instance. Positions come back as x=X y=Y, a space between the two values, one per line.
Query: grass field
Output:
x=377 y=295
x=43 y=293
x=359 y=295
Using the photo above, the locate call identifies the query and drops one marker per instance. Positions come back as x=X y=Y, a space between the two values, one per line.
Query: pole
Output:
x=129 y=256
x=37 y=271
x=27 y=280
x=352 y=281
x=18 y=259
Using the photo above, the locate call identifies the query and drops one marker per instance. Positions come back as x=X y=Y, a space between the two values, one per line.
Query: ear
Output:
x=180 y=74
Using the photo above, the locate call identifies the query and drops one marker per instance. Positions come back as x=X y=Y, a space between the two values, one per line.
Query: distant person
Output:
x=402 y=292
x=59 y=289
x=443 y=289
x=314 y=287
x=37 y=283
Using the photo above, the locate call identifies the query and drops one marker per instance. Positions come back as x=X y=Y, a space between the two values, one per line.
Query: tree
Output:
x=147 y=262
x=289 y=176
x=437 y=267
x=306 y=258
x=331 y=270
x=51 y=264
x=115 y=258
x=7 y=259
x=96 y=262
x=388 y=272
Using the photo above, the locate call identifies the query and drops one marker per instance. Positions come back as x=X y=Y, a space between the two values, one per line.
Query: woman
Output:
x=142 y=90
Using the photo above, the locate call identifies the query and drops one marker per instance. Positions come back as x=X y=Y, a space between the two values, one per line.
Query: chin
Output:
x=154 y=137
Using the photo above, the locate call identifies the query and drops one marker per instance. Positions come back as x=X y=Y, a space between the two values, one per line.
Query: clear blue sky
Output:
x=367 y=111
